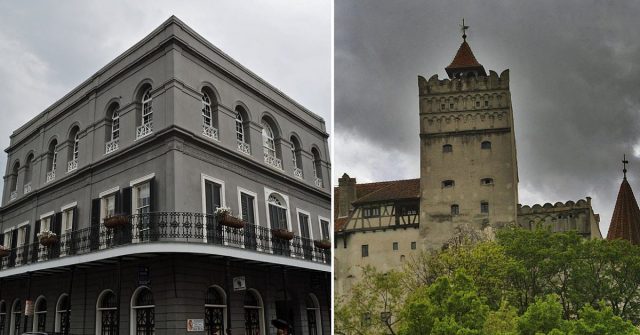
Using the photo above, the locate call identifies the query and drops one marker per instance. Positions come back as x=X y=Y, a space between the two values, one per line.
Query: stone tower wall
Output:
x=464 y=113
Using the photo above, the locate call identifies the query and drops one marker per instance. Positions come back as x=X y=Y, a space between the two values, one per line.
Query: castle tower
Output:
x=625 y=221
x=468 y=167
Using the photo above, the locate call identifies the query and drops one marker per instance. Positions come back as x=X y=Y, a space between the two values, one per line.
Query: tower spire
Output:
x=624 y=165
x=464 y=28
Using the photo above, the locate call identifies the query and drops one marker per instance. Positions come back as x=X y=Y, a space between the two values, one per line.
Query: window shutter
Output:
x=36 y=231
x=1 y=239
x=273 y=216
x=57 y=223
x=216 y=196
x=14 y=238
x=244 y=207
x=118 y=203
x=208 y=197
x=153 y=197
x=126 y=201
x=95 y=224
x=282 y=218
x=73 y=243
x=25 y=247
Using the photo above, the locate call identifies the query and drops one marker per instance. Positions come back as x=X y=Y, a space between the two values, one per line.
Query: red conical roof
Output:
x=464 y=61
x=625 y=222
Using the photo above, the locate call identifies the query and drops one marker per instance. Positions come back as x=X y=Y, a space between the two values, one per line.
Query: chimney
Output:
x=346 y=194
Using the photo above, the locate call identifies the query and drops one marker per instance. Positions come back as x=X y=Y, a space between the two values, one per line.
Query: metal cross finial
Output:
x=624 y=165
x=464 y=28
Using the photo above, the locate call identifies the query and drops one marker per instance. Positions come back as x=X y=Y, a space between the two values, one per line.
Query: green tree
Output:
x=543 y=316
x=602 y=322
x=448 y=306
x=504 y=321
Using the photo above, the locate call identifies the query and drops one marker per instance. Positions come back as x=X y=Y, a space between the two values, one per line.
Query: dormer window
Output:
x=485 y=145
x=447 y=148
x=486 y=181
x=448 y=183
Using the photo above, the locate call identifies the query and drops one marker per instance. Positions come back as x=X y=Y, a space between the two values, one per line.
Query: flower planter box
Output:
x=282 y=234
x=4 y=252
x=115 y=221
x=230 y=221
x=48 y=241
x=322 y=244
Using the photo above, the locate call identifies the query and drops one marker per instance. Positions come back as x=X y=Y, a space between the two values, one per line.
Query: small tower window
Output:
x=448 y=183
x=442 y=106
x=413 y=245
x=477 y=103
x=450 y=106
x=484 y=207
x=486 y=181
x=395 y=245
x=455 y=209
x=485 y=145
x=365 y=250
x=486 y=103
x=447 y=148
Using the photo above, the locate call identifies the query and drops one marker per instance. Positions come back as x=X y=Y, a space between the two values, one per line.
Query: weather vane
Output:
x=624 y=165
x=464 y=28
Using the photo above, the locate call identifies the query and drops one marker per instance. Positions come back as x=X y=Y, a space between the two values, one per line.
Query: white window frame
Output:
x=260 y=307
x=256 y=217
x=133 y=309
x=66 y=224
x=147 y=99
x=49 y=219
x=58 y=320
x=308 y=214
x=223 y=200
x=34 y=326
x=12 y=322
x=21 y=235
x=207 y=120
x=267 y=192
x=322 y=218
x=268 y=139
x=223 y=306
x=240 y=135
x=100 y=309
x=103 y=197
x=317 y=311
x=115 y=125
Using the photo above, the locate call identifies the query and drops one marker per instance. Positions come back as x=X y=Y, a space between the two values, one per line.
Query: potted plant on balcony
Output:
x=282 y=233
x=4 y=251
x=47 y=238
x=226 y=218
x=115 y=221
x=322 y=244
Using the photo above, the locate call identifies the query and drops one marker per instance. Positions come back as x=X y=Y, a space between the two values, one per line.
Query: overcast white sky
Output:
x=575 y=86
x=47 y=48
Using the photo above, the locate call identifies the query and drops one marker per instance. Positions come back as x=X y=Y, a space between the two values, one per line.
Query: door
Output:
x=213 y=196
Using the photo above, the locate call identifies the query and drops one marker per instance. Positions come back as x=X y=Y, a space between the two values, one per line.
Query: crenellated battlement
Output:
x=447 y=86
x=557 y=207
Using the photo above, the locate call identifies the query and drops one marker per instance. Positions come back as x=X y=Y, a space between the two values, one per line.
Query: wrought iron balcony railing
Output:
x=144 y=130
x=210 y=132
x=111 y=146
x=162 y=227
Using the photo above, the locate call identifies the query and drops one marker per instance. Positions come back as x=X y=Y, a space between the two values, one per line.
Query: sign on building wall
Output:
x=28 y=308
x=239 y=284
x=195 y=325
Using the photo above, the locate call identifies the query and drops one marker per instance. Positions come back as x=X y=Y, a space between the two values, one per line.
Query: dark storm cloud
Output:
x=575 y=85
x=49 y=47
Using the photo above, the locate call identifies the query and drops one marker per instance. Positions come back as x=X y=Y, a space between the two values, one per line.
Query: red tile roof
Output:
x=625 y=222
x=464 y=58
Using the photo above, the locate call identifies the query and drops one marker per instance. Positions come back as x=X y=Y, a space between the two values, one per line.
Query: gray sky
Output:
x=47 y=48
x=575 y=85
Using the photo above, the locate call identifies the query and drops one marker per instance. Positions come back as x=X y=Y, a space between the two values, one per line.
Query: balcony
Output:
x=297 y=172
x=244 y=147
x=27 y=188
x=318 y=182
x=273 y=161
x=72 y=165
x=210 y=132
x=144 y=130
x=112 y=146
x=51 y=176
x=14 y=195
x=163 y=227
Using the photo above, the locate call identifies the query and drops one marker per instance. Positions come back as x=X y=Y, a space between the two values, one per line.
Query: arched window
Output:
x=74 y=152
x=14 y=180
x=16 y=317
x=215 y=311
x=455 y=209
x=28 y=174
x=142 y=312
x=485 y=145
x=314 y=323
x=241 y=133
x=107 y=313
x=63 y=314
x=253 y=313
x=269 y=146
x=317 y=167
x=146 y=117
x=296 y=154
x=114 y=134
x=40 y=315
x=3 y=316
x=52 y=159
x=447 y=148
x=209 y=124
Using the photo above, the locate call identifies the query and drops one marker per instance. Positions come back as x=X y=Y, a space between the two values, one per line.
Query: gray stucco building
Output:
x=159 y=139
